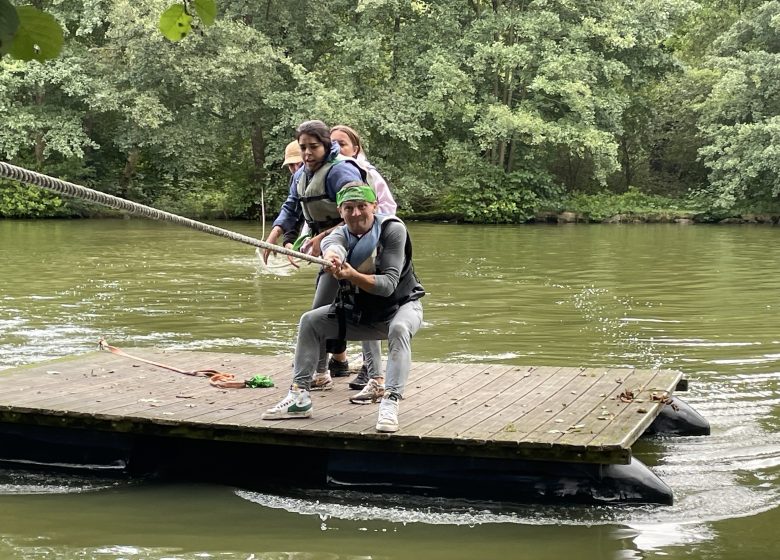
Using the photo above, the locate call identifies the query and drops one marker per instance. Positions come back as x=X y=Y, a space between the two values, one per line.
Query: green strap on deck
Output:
x=259 y=382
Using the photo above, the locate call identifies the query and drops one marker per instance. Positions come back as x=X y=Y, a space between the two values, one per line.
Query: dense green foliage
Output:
x=487 y=111
x=606 y=205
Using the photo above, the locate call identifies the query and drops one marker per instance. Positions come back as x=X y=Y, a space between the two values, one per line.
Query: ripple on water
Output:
x=696 y=502
x=30 y=549
x=31 y=344
x=732 y=473
x=21 y=482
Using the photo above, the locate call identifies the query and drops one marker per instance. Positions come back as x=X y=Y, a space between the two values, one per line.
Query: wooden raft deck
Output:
x=481 y=410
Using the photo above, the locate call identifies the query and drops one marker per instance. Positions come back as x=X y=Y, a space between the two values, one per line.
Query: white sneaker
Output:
x=388 y=415
x=297 y=404
x=322 y=382
x=371 y=393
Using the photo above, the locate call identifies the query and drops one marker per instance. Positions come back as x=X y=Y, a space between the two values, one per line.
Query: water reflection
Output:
x=643 y=538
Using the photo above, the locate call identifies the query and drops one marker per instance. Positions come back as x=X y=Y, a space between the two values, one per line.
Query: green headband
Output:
x=355 y=192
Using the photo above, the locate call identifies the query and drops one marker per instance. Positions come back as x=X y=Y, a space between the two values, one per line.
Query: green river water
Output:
x=701 y=299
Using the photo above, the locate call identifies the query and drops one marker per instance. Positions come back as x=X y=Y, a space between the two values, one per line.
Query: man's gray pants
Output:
x=320 y=324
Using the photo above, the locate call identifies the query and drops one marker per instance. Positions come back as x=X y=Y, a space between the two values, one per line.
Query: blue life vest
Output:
x=362 y=306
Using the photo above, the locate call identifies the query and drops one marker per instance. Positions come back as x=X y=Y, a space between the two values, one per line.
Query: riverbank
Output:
x=630 y=207
x=659 y=218
x=570 y=217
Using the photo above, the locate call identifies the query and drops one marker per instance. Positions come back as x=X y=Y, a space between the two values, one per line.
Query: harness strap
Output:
x=339 y=344
x=361 y=248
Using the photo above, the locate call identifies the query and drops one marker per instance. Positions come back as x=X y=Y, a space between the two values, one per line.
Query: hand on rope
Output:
x=218 y=379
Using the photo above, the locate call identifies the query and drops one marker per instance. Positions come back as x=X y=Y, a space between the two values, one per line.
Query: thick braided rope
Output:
x=76 y=191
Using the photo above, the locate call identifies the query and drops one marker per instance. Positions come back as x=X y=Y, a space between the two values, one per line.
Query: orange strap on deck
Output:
x=216 y=378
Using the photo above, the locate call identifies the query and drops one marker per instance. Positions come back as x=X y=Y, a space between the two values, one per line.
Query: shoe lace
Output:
x=290 y=399
x=387 y=411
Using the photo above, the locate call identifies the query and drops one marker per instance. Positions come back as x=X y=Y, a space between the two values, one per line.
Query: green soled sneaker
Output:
x=337 y=368
x=297 y=404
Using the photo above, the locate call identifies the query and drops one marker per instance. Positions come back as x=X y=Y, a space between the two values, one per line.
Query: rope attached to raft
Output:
x=218 y=379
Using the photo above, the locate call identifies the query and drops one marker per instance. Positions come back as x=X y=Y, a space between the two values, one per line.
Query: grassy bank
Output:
x=632 y=206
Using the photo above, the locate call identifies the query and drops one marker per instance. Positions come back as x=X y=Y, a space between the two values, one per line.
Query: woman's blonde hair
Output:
x=354 y=137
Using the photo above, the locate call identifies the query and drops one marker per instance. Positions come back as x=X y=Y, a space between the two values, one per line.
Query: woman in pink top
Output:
x=349 y=140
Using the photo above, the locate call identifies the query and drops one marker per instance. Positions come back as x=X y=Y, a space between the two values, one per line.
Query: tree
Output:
x=483 y=110
x=149 y=119
x=740 y=118
x=512 y=99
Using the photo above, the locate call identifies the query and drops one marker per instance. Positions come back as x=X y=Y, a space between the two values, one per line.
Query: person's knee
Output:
x=398 y=331
x=306 y=318
x=309 y=320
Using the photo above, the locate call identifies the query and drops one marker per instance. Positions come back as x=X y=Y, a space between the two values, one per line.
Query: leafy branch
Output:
x=177 y=21
x=27 y=33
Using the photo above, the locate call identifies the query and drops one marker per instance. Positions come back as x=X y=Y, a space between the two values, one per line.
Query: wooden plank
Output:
x=144 y=382
x=546 y=413
x=334 y=413
x=513 y=424
x=82 y=386
x=417 y=401
x=477 y=409
x=447 y=406
x=361 y=419
x=633 y=418
x=214 y=399
x=540 y=385
x=608 y=408
x=151 y=391
x=583 y=410
x=505 y=389
x=38 y=378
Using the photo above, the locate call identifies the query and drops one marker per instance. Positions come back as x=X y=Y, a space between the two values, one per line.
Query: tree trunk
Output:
x=502 y=154
x=628 y=171
x=126 y=180
x=40 y=141
x=394 y=61
x=258 y=153
x=496 y=95
x=511 y=160
x=40 y=146
x=508 y=102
